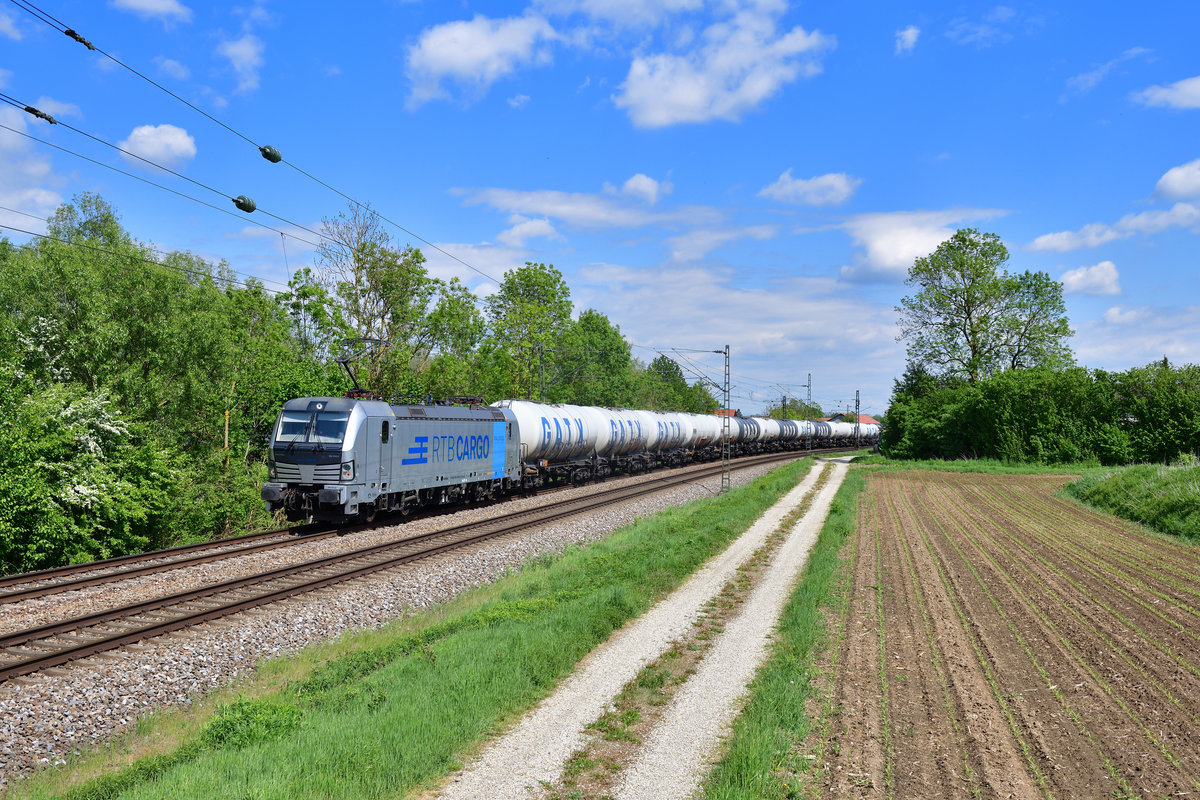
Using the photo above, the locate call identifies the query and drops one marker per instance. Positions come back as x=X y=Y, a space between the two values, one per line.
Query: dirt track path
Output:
x=1000 y=642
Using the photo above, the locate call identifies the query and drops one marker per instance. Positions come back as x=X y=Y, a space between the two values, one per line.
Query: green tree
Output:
x=592 y=364
x=526 y=318
x=970 y=318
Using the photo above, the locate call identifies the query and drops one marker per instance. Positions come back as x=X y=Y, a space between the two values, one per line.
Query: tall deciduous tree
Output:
x=970 y=318
x=526 y=318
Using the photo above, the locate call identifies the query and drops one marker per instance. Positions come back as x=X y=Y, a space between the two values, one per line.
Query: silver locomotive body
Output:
x=343 y=458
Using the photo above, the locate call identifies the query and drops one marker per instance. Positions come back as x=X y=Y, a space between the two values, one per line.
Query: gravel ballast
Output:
x=45 y=718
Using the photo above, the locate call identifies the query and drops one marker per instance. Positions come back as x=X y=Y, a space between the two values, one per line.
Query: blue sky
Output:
x=752 y=173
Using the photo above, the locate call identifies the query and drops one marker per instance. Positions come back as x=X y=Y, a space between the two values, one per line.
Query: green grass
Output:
x=401 y=707
x=766 y=755
x=988 y=466
x=1164 y=498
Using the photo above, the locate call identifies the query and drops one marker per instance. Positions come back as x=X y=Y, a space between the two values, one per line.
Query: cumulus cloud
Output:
x=163 y=144
x=475 y=54
x=8 y=26
x=892 y=241
x=696 y=244
x=1181 y=94
x=172 y=68
x=646 y=188
x=833 y=189
x=906 y=39
x=740 y=63
x=1086 y=81
x=1180 y=215
x=524 y=229
x=1102 y=279
x=516 y=101
x=166 y=10
x=245 y=55
x=1180 y=182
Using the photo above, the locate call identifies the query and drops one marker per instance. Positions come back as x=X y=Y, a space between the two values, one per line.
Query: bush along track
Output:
x=410 y=702
x=998 y=641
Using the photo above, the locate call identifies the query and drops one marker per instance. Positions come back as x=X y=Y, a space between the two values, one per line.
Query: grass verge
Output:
x=403 y=706
x=989 y=466
x=766 y=756
x=1165 y=498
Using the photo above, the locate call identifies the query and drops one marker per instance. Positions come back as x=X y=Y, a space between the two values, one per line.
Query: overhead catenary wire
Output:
x=268 y=152
x=253 y=283
x=159 y=185
x=241 y=201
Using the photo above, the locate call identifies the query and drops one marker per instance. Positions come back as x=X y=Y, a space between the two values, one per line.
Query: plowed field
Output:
x=1000 y=642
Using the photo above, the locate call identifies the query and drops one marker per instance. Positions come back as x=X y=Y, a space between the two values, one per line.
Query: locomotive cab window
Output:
x=323 y=427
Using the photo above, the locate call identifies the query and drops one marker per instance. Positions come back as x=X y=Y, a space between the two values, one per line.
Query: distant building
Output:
x=863 y=418
x=728 y=412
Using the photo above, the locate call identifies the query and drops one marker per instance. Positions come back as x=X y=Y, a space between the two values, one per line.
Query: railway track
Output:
x=56 y=643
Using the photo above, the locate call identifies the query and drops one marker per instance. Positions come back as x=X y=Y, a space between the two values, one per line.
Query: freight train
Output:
x=342 y=459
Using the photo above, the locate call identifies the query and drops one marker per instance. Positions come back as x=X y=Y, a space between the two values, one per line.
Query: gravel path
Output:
x=534 y=750
x=46 y=717
x=677 y=755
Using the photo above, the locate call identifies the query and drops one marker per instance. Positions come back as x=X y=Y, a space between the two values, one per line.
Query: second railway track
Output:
x=57 y=643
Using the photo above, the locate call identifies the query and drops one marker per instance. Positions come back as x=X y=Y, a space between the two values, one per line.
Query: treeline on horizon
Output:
x=990 y=373
x=1069 y=415
x=138 y=390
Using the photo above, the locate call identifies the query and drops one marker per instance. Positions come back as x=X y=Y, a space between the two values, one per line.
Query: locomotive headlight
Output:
x=348 y=471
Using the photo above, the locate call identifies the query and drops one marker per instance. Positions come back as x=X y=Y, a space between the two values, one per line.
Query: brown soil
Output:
x=1000 y=642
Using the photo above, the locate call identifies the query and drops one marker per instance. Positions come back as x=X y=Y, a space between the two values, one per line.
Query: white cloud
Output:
x=519 y=100
x=1092 y=235
x=741 y=63
x=696 y=244
x=1181 y=94
x=621 y=13
x=892 y=241
x=790 y=324
x=245 y=55
x=166 y=10
x=475 y=54
x=523 y=229
x=1124 y=337
x=56 y=109
x=834 y=189
x=1180 y=215
x=1086 y=81
x=584 y=210
x=996 y=27
x=163 y=144
x=646 y=188
x=906 y=39
x=1180 y=182
x=172 y=68
x=27 y=183
x=1101 y=279
x=8 y=26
